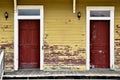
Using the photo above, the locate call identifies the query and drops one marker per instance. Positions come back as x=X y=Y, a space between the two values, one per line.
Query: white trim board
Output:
x=111 y=18
x=74 y=6
x=16 y=33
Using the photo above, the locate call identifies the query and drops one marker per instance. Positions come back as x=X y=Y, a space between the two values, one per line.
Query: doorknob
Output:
x=100 y=51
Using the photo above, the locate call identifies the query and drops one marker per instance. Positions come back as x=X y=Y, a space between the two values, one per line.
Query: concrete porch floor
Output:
x=42 y=74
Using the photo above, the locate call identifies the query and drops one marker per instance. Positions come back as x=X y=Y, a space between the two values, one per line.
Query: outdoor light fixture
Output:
x=6 y=15
x=79 y=15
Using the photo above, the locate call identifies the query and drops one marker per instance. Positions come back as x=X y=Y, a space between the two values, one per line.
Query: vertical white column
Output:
x=74 y=6
x=112 y=39
x=15 y=37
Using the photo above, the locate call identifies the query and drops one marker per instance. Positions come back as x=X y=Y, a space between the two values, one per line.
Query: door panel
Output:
x=29 y=44
x=99 y=44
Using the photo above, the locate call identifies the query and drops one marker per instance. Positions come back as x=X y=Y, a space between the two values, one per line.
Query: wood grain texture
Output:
x=7 y=31
x=61 y=26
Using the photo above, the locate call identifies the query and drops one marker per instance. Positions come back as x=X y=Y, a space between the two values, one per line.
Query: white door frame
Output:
x=111 y=18
x=16 y=32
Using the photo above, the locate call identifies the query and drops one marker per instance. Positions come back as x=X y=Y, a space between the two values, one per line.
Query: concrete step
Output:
x=70 y=75
x=61 y=79
x=22 y=79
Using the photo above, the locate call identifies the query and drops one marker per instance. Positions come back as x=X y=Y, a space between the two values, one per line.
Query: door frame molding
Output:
x=111 y=18
x=16 y=32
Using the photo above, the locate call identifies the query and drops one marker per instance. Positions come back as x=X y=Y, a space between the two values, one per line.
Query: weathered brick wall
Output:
x=117 y=46
x=65 y=35
x=64 y=57
x=6 y=32
x=64 y=42
x=117 y=36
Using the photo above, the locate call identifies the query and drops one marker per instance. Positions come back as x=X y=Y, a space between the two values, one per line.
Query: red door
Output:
x=99 y=44
x=29 y=44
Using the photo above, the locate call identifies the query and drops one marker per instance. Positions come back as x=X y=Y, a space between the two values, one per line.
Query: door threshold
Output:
x=101 y=69
x=28 y=69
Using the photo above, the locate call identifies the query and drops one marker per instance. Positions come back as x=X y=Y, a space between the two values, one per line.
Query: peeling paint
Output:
x=60 y=56
x=9 y=56
x=117 y=47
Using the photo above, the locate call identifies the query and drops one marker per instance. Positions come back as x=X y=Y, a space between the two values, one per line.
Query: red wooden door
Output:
x=100 y=44
x=29 y=44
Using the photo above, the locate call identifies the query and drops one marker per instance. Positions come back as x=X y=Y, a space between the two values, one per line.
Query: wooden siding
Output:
x=64 y=34
x=7 y=31
x=64 y=37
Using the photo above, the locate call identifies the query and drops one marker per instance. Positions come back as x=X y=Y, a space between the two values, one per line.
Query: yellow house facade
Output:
x=68 y=39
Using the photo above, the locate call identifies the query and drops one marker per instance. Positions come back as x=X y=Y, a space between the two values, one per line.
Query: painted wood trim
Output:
x=29 y=17
x=15 y=5
x=15 y=37
x=99 y=18
x=42 y=38
x=16 y=33
x=111 y=18
x=87 y=41
x=29 y=7
x=112 y=40
x=15 y=41
x=74 y=6
x=2 y=53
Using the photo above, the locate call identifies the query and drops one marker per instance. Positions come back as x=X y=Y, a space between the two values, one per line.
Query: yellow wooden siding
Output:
x=62 y=28
x=64 y=34
x=117 y=36
x=6 y=31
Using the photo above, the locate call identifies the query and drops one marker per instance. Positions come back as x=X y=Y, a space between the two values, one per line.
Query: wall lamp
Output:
x=79 y=15
x=6 y=15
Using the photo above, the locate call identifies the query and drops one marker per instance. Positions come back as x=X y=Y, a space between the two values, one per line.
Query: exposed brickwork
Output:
x=6 y=42
x=59 y=56
x=9 y=58
x=65 y=48
x=117 y=47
